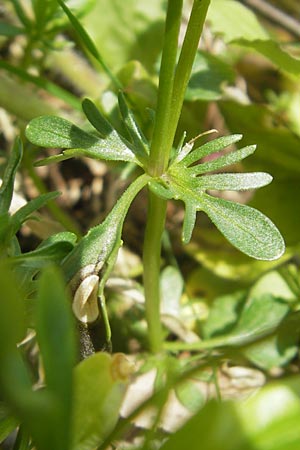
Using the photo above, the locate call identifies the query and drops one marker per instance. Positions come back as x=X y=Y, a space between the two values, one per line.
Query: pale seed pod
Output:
x=85 y=303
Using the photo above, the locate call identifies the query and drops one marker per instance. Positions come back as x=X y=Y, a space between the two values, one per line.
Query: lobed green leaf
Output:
x=189 y=221
x=244 y=227
x=52 y=131
x=160 y=190
x=260 y=316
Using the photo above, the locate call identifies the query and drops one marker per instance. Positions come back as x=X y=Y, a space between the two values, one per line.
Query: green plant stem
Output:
x=151 y=258
x=172 y=85
x=159 y=155
x=186 y=60
x=161 y=142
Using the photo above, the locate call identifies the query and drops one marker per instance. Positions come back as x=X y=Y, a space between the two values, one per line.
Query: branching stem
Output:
x=172 y=85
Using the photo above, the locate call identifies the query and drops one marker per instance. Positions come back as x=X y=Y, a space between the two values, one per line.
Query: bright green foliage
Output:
x=55 y=416
x=140 y=41
x=233 y=20
x=246 y=228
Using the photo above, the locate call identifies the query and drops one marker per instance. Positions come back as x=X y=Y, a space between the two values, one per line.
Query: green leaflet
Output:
x=267 y=420
x=244 y=227
x=52 y=131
